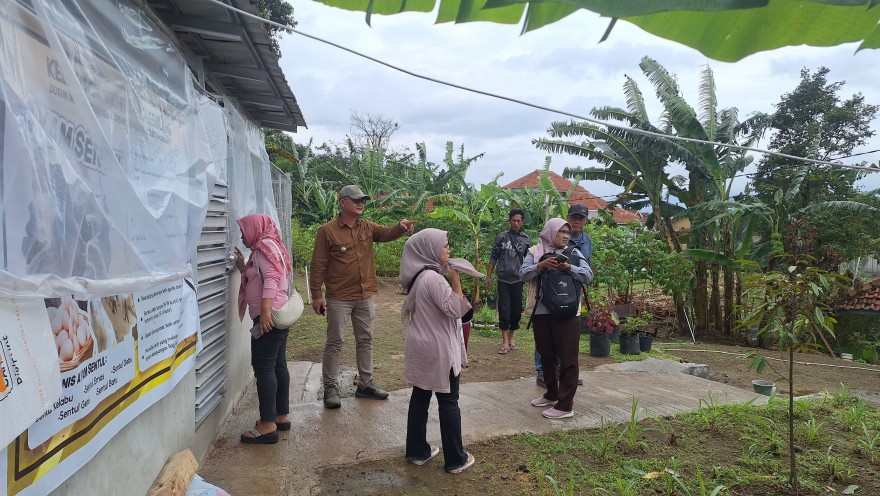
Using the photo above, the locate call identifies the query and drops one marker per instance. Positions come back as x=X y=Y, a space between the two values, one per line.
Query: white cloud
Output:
x=560 y=66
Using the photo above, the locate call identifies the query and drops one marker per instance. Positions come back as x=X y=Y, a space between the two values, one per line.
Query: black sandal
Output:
x=257 y=438
x=283 y=426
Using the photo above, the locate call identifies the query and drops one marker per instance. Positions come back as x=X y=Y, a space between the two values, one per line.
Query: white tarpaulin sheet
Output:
x=105 y=165
x=107 y=159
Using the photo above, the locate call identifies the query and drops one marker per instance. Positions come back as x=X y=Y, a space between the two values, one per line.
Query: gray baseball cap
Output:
x=578 y=209
x=352 y=192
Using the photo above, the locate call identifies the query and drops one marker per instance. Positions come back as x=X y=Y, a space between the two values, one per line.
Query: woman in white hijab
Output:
x=434 y=350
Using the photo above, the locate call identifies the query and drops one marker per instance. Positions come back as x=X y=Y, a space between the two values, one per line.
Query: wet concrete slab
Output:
x=365 y=429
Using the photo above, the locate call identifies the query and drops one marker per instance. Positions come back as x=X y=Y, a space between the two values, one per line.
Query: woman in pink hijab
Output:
x=434 y=349
x=264 y=283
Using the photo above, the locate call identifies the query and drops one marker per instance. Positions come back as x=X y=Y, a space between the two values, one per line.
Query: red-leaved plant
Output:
x=600 y=317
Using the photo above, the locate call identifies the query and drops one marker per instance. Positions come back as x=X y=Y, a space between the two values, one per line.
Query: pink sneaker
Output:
x=542 y=401
x=553 y=413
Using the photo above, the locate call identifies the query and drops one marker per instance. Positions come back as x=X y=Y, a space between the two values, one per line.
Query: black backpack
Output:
x=559 y=291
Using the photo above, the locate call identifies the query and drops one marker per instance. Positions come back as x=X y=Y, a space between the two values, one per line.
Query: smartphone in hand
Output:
x=561 y=258
x=257 y=331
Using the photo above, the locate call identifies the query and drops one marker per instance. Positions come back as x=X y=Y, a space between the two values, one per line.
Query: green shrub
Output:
x=388 y=257
x=303 y=242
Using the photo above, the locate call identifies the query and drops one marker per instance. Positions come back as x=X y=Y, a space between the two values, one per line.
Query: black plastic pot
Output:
x=645 y=341
x=629 y=344
x=600 y=346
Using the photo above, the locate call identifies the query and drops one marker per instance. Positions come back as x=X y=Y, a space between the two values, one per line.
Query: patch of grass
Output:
x=597 y=461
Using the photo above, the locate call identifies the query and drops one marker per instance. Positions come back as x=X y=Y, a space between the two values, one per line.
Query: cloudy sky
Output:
x=561 y=66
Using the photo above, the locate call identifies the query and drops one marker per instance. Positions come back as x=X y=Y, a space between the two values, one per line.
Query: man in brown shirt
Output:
x=343 y=263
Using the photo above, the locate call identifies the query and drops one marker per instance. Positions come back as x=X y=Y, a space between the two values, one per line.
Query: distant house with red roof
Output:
x=865 y=299
x=575 y=194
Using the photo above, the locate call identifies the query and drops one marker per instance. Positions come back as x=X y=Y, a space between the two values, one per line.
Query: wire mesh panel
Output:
x=281 y=188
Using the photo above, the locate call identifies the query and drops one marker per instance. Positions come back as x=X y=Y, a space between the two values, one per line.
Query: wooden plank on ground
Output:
x=176 y=475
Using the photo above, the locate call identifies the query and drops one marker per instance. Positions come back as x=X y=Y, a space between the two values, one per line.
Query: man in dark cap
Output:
x=343 y=262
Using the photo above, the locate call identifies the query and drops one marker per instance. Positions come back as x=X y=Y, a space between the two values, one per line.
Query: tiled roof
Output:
x=578 y=195
x=866 y=299
x=530 y=180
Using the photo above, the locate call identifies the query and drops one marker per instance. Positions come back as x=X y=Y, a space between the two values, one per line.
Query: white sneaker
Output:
x=461 y=468
x=435 y=450
x=542 y=401
x=552 y=413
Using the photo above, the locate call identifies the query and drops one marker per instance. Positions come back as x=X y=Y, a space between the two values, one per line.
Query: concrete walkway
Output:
x=367 y=429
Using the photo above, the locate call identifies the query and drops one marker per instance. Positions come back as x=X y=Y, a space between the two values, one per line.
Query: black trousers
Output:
x=557 y=341
x=510 y=306
x=269 y=360
x=417 y=446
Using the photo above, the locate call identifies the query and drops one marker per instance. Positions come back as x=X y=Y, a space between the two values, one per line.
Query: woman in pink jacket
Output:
x=434 y=349
x=264 y=282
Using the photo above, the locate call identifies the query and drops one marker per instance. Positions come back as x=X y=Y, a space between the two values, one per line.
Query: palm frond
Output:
x=596 y=174
x=708 y=102
x=663 y=81
x=852 y=207
x=635 y=101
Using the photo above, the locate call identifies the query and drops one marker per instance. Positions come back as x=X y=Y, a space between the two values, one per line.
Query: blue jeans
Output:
x=269 y=360
x=417 y=446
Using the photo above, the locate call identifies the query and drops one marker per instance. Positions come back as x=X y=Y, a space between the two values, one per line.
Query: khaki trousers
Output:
x=361 y=313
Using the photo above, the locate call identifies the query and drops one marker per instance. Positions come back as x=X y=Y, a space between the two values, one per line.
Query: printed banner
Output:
x=28 y=382
x=117 y=355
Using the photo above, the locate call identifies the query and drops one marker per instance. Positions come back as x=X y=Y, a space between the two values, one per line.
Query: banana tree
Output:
x=727 y=31
x=474 y=209
x=632 y=161
x=711 y=170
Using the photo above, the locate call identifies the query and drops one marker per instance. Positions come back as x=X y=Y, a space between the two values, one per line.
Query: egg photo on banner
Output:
x=29 y=383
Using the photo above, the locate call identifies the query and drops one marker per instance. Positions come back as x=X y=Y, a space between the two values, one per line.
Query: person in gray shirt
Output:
x=507 y=257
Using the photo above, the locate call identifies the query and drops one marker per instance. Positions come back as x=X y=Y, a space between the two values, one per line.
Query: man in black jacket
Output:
x=507 y=256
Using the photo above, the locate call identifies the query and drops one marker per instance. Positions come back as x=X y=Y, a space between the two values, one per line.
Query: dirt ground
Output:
x=501 y=471
x=726 y=362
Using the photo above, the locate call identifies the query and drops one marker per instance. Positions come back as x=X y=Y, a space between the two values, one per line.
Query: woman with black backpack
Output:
x=557 y=274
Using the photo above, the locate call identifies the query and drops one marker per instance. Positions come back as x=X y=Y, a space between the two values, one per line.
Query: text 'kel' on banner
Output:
x=116 y=356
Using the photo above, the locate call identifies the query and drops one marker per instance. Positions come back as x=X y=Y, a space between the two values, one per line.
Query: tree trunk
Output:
x=728 y=300
x=792 y=480
x=701 y=296
x=673 y=238
x=477 y=285
x=699 y=239
x=680 y=320
x=716 y=299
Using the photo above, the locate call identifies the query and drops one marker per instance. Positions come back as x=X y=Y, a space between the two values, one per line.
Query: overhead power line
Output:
x=542 y=107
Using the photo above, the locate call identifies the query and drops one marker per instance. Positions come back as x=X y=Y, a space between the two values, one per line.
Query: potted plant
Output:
x=639 y=324
x=600 y=322
x=629 y=337
x=601 y=325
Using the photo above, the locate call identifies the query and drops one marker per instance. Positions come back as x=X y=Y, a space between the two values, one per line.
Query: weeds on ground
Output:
x=708 y=460
x=868 y=441
x=812 y=430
